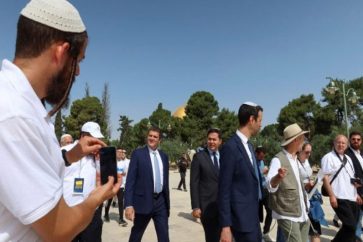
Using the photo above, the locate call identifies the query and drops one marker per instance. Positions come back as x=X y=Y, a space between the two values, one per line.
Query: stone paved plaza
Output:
x=182 y=226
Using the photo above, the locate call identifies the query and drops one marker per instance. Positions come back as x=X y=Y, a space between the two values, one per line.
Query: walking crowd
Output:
x=57 y=193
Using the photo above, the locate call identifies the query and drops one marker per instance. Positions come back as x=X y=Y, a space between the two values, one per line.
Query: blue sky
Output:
x=268 y=52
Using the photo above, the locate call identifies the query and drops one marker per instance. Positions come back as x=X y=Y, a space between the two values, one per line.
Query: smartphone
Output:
x=108 y=164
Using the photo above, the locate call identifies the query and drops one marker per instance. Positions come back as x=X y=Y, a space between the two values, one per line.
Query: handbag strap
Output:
x=344 y=161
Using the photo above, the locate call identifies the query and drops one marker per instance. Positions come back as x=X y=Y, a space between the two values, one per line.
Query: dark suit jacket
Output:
x=357 y=168
x=238 y=188
x=140 y=183
x=204 y=184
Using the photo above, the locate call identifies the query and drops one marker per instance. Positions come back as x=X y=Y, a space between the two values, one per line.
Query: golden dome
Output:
x=180 y=112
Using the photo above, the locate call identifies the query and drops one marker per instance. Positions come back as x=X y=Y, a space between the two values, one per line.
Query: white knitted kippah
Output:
x=58 y=14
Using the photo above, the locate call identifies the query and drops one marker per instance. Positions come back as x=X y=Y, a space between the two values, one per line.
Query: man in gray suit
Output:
x=204 y=186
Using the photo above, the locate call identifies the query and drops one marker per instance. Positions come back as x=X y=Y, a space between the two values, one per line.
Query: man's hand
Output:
x=106 y=191
x=226 y=235
x=85 y=146
x=130 y=213
x=333 y=201
x=197 y=213
x=282 y=172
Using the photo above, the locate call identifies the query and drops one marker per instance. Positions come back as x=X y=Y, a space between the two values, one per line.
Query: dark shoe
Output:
x=179 y=189
x=122 y=222
x=185 y=190
x=336 y=224
x=106 y=218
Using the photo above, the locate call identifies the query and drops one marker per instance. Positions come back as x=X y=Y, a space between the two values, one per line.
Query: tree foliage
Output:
x=200 y=110
x=227 y=122
x=82 y=111
x=58 y=124
x=106 y=110
x=301 y=111
x=125 y=128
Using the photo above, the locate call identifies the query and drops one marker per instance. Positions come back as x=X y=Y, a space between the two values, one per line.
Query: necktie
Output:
x=256 y=169
x=157 y=178
x=215 y=161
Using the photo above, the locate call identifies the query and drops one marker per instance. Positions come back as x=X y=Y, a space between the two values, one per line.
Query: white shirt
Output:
x=274 y=167
x=84 y=168
x=342 y=188
x=305 y=170
x=31 y=162
x=244 y=140
x=358 y=155
x=123 y=167
x=160 y=166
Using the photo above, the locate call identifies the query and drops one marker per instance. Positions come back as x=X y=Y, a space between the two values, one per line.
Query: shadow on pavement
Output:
x=188 y=216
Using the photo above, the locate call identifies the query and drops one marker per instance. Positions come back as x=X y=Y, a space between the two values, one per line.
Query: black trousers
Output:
x=93 y=232
x=212 y=230
x=120 y=201
x=348 y=213
x=268 y=218
x=182 y=180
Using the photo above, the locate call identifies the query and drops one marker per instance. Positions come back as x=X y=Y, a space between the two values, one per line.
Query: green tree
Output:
x=301 y=111
x=227 y=122
x=174 y=148
x=161 y=118
x=58 y=124
x=201 y=110
x=270 y=139
x=82 y=111
x=335 y=104
x=106 y=110
x=125 y=128
x=86 y=90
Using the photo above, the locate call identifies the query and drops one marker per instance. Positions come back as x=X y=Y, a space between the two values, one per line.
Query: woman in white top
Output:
x=306 y=173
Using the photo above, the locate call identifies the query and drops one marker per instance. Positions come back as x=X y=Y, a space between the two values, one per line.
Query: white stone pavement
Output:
x=182 y=226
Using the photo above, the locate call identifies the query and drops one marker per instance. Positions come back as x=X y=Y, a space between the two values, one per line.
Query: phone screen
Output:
x=108 y=164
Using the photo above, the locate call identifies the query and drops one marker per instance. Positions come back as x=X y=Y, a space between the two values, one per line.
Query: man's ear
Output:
x=61 y=52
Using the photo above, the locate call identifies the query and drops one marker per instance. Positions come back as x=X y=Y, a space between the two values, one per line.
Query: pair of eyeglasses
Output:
x=307 y=152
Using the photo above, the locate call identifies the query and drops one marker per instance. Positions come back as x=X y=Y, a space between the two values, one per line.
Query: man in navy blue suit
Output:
x=240 y=183
x=147 y=189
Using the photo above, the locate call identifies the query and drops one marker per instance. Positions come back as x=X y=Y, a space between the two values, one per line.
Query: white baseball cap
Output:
x=93 y=128
x=58 y=14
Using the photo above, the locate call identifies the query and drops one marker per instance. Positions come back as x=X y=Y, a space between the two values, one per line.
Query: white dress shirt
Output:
x=274 y=167
x=151 y=153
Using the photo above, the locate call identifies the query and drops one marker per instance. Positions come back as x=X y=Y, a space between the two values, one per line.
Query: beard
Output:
x=59 y=85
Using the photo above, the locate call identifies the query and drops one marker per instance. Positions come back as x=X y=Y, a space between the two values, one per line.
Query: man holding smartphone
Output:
x=80 y=180
x=51 y=42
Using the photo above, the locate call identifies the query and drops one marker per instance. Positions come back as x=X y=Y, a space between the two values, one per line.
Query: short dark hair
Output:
x=33 y=38
x=246 y=111
x=155 y=129
x=215 y=130
x=354 y=133
x=260 y=149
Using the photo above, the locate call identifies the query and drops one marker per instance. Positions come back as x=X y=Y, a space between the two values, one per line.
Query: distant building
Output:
x=179 y=112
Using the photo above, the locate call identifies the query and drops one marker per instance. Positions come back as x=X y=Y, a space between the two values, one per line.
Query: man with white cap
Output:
x=51 y=41
x=240 y=181
x=288 y=199
x=83 y=173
